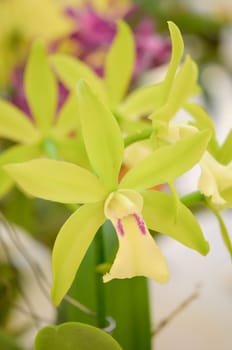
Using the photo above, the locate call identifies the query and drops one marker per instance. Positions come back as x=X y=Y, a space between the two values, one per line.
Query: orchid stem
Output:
x=138 y=136
x=100 y=291
x=50 y=148
x=192 y=199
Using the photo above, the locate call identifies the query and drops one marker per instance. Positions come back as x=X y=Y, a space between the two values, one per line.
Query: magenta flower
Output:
x=94 y=33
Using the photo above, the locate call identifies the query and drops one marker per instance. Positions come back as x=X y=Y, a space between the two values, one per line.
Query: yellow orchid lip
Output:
x=137 y=249
x=139 y=221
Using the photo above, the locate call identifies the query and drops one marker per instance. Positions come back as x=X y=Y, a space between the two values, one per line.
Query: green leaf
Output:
x=74 y=336
x=70 y=70
x=142 y=101
x=161 y=216
x=71 y=245
x=102 y=136
x=67 y=119
x=57 y=181
x=119 y=64
x=167 y=163
x=177 y=53
x=182 y=88
x=14 y=154
x=40 y=87
x=15 y=125
x=7 y=342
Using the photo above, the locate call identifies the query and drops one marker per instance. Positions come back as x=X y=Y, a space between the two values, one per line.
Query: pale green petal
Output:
x=101 y=135
x=142 y=101
x=119 y=64
x=73 y=150
x=167 y=163
x=15 y=154
x=67 y=119
x=182 y=88
x=15 y=125
x=70 y=70
x=224 y=153
x=161 y=216
x=177 y=53
x=227 y=196
x=208 y=186
x=40 y=87
x=203 y=121
x=71 y=246
x=215 y=178
x=138 y=254
x=57 y=181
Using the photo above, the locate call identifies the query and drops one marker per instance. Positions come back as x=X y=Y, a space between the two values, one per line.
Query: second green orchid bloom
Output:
x=216 y=181
x=128 y=204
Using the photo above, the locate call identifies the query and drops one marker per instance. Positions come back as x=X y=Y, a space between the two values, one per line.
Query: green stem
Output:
x=138 y=136
x=100 y=291
x=50 y=148
x=223 y=229
x=192 y=199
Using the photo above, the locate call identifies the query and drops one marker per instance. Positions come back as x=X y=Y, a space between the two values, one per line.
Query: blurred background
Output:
x=28 y=227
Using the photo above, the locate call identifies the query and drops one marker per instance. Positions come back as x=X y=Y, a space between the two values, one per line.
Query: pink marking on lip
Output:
x=140 y=223
x=120 y=227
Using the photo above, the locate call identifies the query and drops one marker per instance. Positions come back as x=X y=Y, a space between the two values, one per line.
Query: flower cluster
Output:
x=77 y=156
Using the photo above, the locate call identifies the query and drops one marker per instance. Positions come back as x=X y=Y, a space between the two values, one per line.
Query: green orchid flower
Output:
x=177 y=89
x=216 y=181
x=127 y=204
x=113 y=87
x=47 y=133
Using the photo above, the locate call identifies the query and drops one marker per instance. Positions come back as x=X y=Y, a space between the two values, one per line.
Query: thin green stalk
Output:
x=100 y=290
x=224 y=232
x=138 y=136
x=193 y=199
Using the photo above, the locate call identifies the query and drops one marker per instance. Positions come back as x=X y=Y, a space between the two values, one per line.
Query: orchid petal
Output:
x=15 y=125
x=71 y=245
x=40 y=87
x=177 y=52
x=101 y=135
x=70 y=70
x=14 y=154
x=203 y=121
x=142 y=101
x=57 y=181
x=225 y=154
x=182 y=88
x=215 y=178
x=73 y=150
x=67 y=120
x=138 y=254
x=167 y=163
x=160 y=215
x=119 y=64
